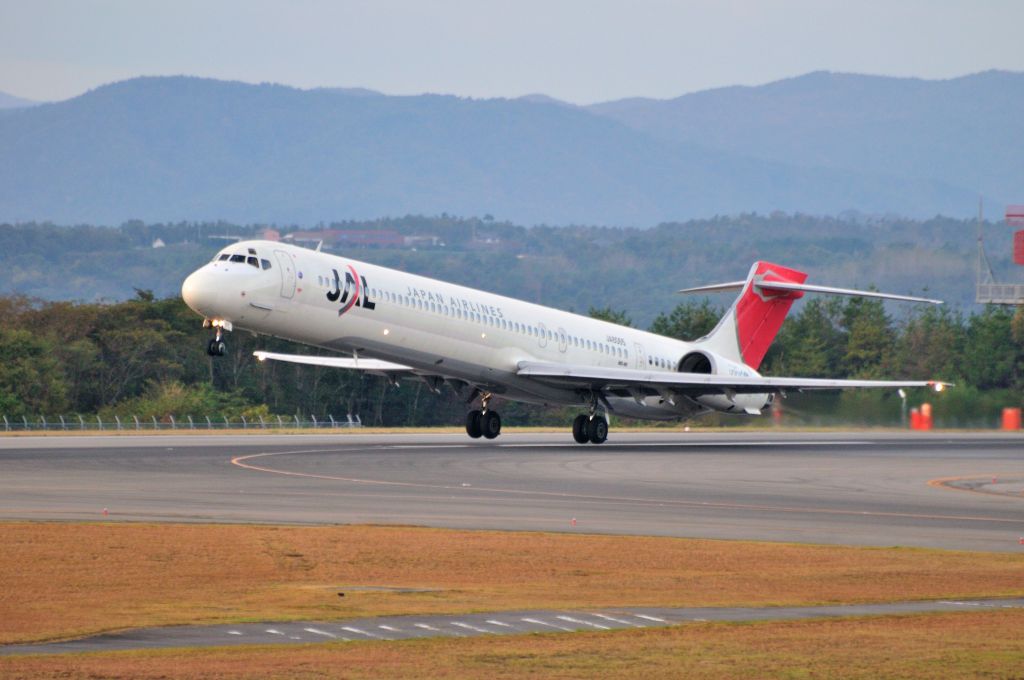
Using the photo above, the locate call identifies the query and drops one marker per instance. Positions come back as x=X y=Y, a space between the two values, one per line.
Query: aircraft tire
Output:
x=490 y=423
x=473 y=426
x=597 y=430
x=579 y=429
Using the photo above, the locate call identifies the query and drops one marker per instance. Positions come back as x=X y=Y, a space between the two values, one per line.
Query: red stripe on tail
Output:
x=759 y=314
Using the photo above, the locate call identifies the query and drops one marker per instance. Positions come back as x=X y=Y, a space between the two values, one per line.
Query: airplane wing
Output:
x=612 y=379
x=373 y=365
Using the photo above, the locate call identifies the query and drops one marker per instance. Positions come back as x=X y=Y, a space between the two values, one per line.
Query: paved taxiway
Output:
x=469 y=625
x=846 y=488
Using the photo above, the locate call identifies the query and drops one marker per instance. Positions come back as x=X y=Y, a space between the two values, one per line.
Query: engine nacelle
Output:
x=710 y=363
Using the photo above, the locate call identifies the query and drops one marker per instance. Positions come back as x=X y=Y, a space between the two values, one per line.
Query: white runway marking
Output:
x=317 y=631
x=391 y=628
x=359 y=631
x=622 y=621
x=234 y=632
x=498 y=623
x=460 y=624
x=274 y=631
x=426 y=627
x=650 y=618
x=584 y=622
x=549 y=625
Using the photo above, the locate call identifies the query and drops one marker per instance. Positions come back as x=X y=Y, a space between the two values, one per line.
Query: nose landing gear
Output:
x=217 y=347
x=483 y=422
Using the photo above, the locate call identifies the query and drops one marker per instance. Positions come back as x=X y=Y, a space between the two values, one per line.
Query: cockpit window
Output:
x=223 y=256
x=252 y=260
x=265 y=263
x=238 y=258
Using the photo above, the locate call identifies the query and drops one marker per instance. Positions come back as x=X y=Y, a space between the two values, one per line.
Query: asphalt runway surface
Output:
x=840 y=488
x=470 y=625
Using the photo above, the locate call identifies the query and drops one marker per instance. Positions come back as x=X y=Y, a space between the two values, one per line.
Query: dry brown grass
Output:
x=66 y=579
x=969 y=644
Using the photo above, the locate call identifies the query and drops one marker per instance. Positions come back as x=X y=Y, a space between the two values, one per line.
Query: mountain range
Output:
x=9 y=101
x=185 y=148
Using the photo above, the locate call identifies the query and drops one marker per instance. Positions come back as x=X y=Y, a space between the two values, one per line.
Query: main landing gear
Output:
x=483 y=422
x=590 y=428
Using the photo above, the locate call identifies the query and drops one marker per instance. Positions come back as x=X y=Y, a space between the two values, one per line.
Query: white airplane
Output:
x=484 y=345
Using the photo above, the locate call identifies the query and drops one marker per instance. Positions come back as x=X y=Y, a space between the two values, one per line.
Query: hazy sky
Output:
x=579 y=50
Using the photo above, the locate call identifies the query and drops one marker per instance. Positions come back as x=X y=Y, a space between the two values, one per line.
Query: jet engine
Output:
x=726 y=401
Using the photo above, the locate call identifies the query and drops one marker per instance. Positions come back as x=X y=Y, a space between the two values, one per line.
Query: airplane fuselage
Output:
x=437 y=328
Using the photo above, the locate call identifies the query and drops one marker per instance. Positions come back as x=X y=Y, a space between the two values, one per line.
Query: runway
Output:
x=472 y=625
x=840 y=488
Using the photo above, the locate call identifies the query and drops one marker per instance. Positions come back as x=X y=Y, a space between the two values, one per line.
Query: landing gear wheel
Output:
x=579 y=429
x=597 y=430
x=216 y=348
x=473 y=424
x=490 y=423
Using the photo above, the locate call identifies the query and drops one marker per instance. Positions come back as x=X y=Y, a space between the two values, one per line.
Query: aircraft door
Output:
x=287 y=266
x=638 y=350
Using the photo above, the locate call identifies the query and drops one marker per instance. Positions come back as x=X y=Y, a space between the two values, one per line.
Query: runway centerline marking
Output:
x=241 y=461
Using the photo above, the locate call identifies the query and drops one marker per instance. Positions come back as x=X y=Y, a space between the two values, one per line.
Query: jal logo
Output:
x=353 y=294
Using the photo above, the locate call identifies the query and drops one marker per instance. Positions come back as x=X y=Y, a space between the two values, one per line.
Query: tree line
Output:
x=146 y=357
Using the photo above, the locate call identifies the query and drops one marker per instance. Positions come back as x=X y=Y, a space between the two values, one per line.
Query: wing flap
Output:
x=375 y=365
x=569 y=375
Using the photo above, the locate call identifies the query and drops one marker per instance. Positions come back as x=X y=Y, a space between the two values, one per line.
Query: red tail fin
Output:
x=746 y=331
x=760 y=313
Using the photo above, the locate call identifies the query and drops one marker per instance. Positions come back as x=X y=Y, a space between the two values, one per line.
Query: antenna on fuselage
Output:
x=319 y=245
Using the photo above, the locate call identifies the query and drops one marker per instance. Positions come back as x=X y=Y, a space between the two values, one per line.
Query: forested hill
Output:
x=178 y=148
x=574 y=268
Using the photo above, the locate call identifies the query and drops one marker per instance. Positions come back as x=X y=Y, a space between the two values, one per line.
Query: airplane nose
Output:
x=201 y=292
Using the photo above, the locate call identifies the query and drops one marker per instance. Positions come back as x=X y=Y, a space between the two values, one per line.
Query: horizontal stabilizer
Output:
x=333 y=362
x=715 y=287
x=780 y=287
x=785 y=286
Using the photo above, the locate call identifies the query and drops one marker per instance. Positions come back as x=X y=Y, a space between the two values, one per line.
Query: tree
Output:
x=30 y=377
x=613 y=315
x=870 y=338
x=810 y=344
x=688 y=321
x=931 y=345
x=993 y=359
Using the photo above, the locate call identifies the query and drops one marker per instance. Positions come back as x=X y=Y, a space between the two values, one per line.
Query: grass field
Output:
x=70 y=579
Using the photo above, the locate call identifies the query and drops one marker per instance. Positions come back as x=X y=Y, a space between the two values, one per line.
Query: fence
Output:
x=81 y=423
